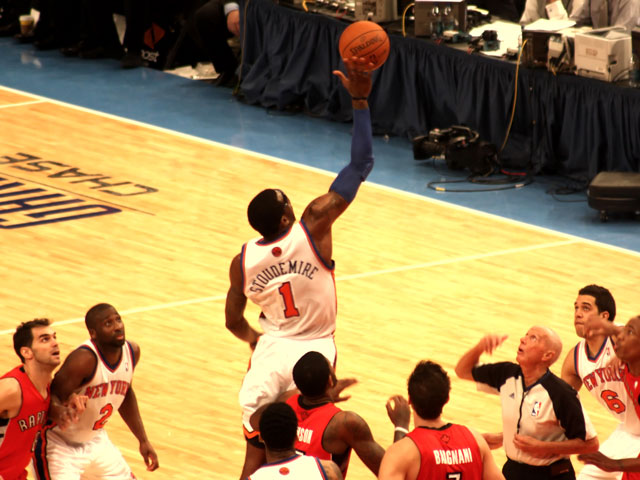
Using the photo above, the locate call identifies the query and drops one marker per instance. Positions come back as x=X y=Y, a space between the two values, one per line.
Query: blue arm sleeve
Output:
x=350 y=177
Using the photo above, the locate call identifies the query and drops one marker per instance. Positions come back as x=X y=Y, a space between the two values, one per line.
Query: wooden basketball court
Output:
x=98 y=209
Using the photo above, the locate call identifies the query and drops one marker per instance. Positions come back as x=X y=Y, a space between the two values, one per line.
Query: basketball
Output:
x=367 y=40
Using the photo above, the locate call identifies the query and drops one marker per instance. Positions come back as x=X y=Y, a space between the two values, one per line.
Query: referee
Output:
x=543 y=421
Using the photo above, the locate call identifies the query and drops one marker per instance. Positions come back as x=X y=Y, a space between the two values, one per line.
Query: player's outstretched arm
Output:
x=130 y=413
x=595 y=326
x=542 y=449
x=348 y=429
x=236 y=302
x=324 y=210
x=611 y=464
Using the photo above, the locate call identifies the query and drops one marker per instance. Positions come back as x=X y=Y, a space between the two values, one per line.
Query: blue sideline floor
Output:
x=203 y=110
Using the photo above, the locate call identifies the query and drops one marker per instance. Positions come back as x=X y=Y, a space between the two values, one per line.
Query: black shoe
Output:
x=25 y=38
x=92 y=53
x=226 y=79
x=9 y=29
x=131 y=60
x=71 y=50
x=46 y=43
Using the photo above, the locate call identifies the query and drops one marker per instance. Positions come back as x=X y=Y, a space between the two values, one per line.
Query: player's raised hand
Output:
x=489 y=343
x=357 y=81
x=75 y=406
x=399 y=411
x=64 y=414
x=336 y=390
x=149 y=455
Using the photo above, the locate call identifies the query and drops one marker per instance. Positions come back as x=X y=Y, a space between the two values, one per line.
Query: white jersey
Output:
x=294 y=468
x=292 y=285
x=606 y=383
x=106 y=391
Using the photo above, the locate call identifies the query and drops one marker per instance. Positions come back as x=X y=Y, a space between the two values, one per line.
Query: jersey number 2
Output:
x=290 y=309
x=106 y=412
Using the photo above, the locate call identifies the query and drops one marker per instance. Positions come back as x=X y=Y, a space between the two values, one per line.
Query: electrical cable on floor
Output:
x=511 y=180
x=570 y=187
x=508 y=182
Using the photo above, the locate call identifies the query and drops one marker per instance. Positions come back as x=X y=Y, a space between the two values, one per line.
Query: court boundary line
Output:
x=330 y=174
x=21 y=104
x=355 y=276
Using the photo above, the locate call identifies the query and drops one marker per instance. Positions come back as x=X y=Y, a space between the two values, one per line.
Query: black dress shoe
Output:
x=71 y=50
x=101 y=52
x=46 y=43
x=25 y=38
x=9 y=29
x=131 y=60
x=226 y=79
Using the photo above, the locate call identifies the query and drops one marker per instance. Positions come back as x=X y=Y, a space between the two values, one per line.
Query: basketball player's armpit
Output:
x=350 y=177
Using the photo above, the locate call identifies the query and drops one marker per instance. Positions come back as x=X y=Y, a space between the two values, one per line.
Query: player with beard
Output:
x=102 y=369
x=25 y=402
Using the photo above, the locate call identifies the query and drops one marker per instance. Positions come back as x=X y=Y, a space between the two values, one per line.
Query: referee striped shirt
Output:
x=549 y=410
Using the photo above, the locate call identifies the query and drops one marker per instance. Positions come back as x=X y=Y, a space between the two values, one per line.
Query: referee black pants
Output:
x=560 y=470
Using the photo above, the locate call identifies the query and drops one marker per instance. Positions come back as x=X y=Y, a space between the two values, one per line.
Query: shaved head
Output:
x=553 y=343
x=91 y=317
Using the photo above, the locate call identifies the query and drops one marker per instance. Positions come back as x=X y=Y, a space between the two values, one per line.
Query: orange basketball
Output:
x=365 y=39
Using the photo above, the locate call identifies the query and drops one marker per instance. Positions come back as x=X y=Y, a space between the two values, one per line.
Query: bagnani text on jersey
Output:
x=453 y=457
x=299 y=267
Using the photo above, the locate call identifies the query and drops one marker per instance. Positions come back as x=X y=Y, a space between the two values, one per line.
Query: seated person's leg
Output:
x=211 y=32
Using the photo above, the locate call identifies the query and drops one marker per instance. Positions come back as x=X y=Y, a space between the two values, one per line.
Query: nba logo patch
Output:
x=535 y=411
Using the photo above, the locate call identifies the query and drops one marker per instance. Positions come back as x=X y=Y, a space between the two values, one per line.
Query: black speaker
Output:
x=614 y=192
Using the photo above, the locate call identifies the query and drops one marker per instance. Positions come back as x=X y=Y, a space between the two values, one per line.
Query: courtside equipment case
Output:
x=611 y=192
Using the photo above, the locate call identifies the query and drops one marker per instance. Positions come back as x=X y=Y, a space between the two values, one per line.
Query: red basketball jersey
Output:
x=17 y=434
x=447 y=451
x=312 y=423
x=632 y=384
